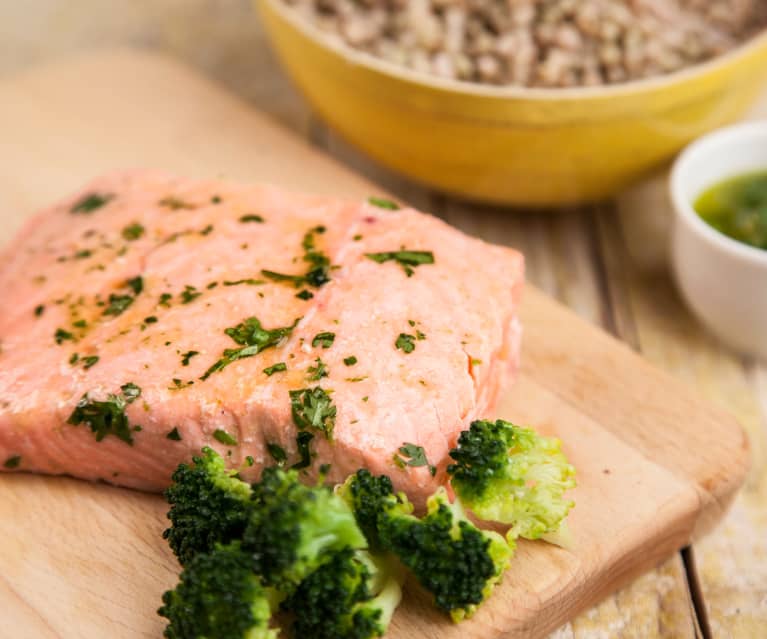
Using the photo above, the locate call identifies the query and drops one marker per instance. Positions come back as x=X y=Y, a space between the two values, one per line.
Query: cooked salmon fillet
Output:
x=148 y=316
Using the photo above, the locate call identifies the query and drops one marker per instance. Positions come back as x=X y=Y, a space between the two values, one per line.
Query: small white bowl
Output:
x=723 y=281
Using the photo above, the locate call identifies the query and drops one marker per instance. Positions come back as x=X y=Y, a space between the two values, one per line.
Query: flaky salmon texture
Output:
x=148 y=316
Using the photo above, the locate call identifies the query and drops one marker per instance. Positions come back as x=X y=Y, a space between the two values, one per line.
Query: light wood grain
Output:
x=732 y=561
x=641 y=442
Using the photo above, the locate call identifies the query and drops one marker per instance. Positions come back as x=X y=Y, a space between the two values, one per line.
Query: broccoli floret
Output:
x=219 y=596
x=209 y=505
x=292 y=528
x=510 y=474
x=369 y=495
x=352 y=596
x=453 y=559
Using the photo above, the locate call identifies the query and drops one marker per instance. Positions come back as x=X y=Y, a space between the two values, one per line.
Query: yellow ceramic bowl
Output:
x=512 y=145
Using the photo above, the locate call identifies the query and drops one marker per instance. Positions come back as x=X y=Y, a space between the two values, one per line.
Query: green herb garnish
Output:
x=249 y=332
x=132 y=232
x=278 y=453
x=414 y=456
x=252 y=218
x=131 y=391
x=87 y=360
x=303 y=439
x=282 y=277
x=250 y=281
x=405 y=342
x=275 y=368
x=188 y=356
x=189 y=294
x=81 y=323
x=91 y=202
x=165 y=299
x=151 y=319
x=350 y=361
x=12 y=462
x=174 y=203
x=174 y=435
x=253 y=338
x=316 y=373
x=324 y=339
x=107 y=417
x=224 y=437
x=319 y=264
x=305 y=295
x=179 y=384
x=408 y=260
x=383 y=203
x=312 y=408
x=118 y=303
x=39 y=309
x=62 y=335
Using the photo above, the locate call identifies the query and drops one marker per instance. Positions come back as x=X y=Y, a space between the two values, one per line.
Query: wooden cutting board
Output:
x=656 y=466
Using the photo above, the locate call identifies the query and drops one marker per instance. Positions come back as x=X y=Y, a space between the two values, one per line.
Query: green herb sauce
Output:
x=737 y=207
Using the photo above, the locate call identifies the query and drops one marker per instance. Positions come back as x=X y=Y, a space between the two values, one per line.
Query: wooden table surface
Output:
x=606 y=262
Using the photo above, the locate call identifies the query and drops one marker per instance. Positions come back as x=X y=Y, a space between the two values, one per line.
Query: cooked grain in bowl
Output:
x=539 y=43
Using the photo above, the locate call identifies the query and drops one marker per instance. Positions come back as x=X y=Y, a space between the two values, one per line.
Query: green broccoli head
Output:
x=292 y=528
x=512 y=475
x=453 y=559
x=209 y=505
x=368 y=496
x=351 y=596
x=219 y=596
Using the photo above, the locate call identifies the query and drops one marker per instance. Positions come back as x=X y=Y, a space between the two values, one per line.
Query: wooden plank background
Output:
x=606 y=262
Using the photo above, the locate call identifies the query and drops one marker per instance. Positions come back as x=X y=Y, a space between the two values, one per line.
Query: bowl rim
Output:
x=684 y=208
x=632 y=87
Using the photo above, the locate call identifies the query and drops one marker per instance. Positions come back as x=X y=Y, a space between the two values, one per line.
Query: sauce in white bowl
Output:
x=724 y=281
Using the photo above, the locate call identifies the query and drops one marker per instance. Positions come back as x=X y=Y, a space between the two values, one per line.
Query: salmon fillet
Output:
x=140 y=323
